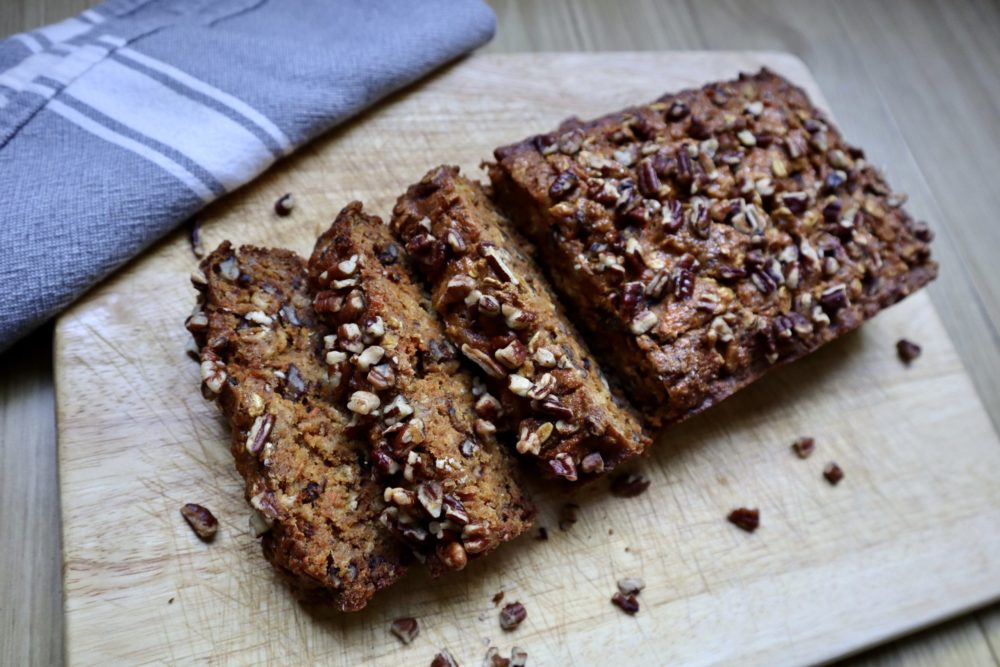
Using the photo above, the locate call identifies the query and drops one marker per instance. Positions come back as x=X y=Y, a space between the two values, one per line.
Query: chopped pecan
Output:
x=512 y=615
x=202 y=521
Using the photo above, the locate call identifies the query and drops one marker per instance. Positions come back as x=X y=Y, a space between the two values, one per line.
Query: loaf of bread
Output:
x=704 y=238
x=452 y=489
x=540 y=380
x=307 y=478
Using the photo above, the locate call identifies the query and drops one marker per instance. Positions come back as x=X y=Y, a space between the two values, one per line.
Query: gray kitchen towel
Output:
x=122 y=122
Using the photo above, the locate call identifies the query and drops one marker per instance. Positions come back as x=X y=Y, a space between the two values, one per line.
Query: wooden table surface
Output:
x=915 y=83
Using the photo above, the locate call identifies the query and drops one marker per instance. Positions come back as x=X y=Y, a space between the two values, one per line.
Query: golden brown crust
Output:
x=306 y=478
x=711 y=235
x=501 y=313
x=452 y=492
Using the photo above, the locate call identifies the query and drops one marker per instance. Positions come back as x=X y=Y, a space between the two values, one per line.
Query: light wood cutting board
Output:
x=911 y=535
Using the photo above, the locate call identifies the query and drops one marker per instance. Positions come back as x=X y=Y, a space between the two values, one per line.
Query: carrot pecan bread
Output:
x=499 y=311
x=452 y=490
x=307 y=479
x=710 y=235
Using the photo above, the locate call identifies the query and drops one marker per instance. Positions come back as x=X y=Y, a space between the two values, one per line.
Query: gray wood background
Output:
x=916 y=83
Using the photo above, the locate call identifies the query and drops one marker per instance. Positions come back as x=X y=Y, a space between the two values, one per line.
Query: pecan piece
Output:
x=202 y=521
x=833 y=473
x=745 y=519
x=907 y=350
x=564 y=184
x=405 y=628
x=444 y=658
x=804 y=446
x=627 y=603
x=512 y=615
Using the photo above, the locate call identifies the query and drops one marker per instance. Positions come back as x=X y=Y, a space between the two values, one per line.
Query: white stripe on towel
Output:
x=220 y=145
x=30 y=42
x=168 y=165
x=64 y=30
x=234 y=103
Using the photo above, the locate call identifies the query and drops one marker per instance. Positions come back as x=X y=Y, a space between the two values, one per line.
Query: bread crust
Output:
x=711 y=235
x=500 y=312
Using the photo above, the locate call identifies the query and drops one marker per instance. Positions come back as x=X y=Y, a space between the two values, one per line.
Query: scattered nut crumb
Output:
x=567 y=515
x=497 y=598
x=833 y=473
x=746 y=519
x=543 y=534
x=494 y=659
x=629 y=485
x=631 y=585
x=512 y=615
x=284 y=205
x=907 y=350
x=194 y=356
x=627 y=603
x=170 y=601
x=202 y=522
x=195 y=236
x=444 y=658
x=804 y=446
x=405 y=628
x=518 y=657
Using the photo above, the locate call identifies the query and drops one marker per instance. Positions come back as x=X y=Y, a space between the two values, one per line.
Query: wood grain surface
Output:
x=913 y=80
x=137 y=441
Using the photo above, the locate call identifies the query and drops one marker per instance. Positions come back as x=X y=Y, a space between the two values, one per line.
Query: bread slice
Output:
x=307 y=479
x=501 y=313
x=704 y=238
x=453 y=492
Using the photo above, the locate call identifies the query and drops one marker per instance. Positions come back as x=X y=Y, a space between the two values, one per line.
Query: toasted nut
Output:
x=363 y=402
x=631 y=585
x=406 y=629
x=202 y=521
x=512 y=615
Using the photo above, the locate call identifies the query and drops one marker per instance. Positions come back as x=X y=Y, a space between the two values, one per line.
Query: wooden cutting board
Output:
x=910 y=536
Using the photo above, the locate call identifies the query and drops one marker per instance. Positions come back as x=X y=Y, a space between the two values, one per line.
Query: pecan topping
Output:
x=513 y=355
x=259 y=433
x=453 y=555
x=202 y=521
x=512 y=615
x=564 y=466
x=643 y=322
x=563 y=185
x=495 y=259
x=592 y=463
x=745 y=519
x=649 y=181
x=483 y=360
x=543 y=387
x=363 y=402
x=213 y=372
x=458 y=288
x=431 y=496
x=520 y=385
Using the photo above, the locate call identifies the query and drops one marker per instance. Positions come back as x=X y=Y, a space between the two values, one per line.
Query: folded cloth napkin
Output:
x=119 y=124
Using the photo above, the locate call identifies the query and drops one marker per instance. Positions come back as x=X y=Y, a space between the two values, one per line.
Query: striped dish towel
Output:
x=118 y=124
